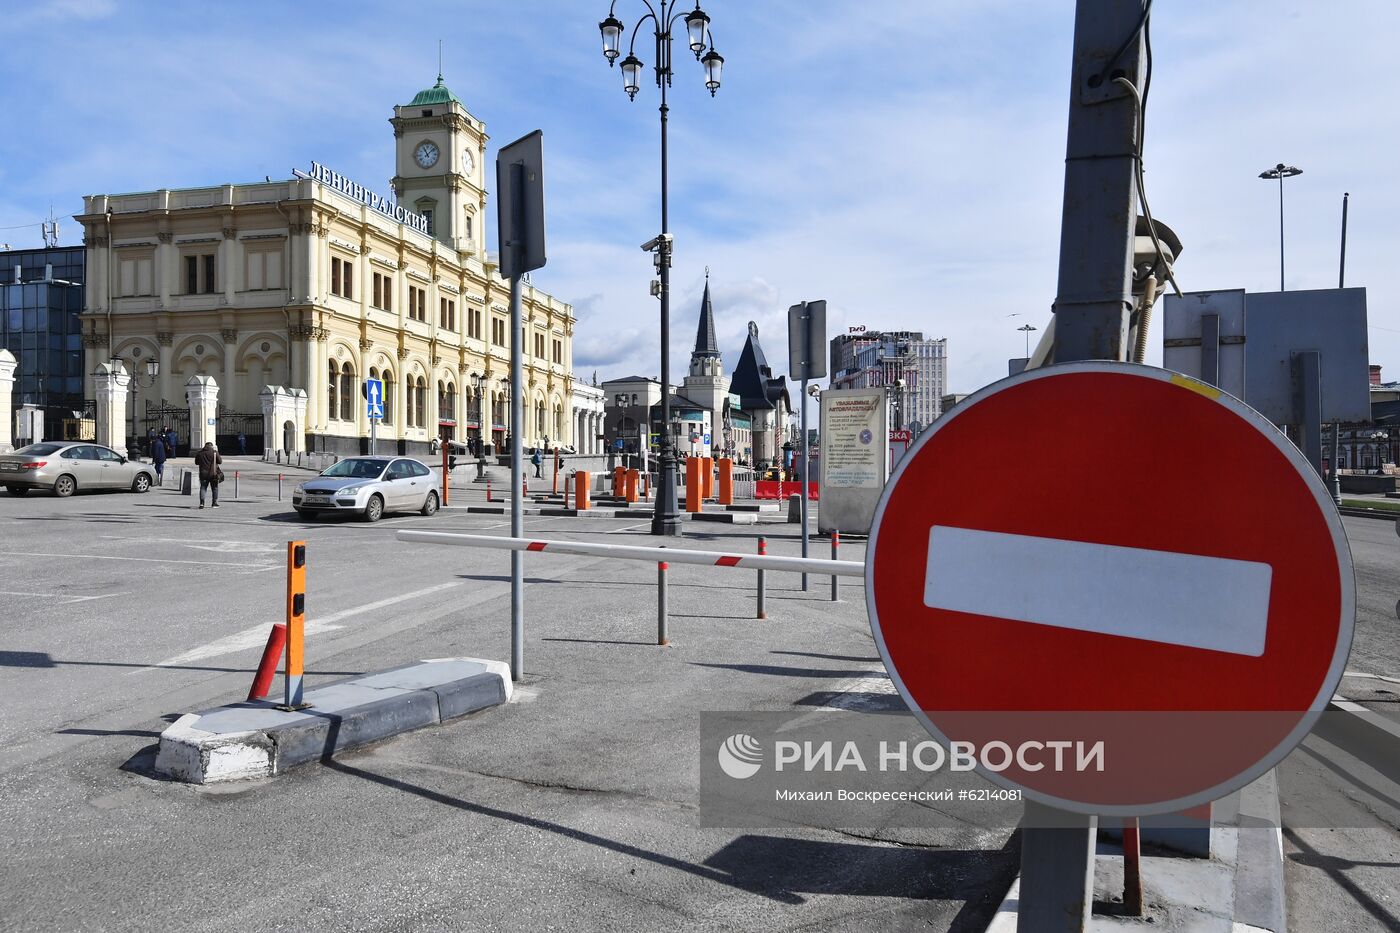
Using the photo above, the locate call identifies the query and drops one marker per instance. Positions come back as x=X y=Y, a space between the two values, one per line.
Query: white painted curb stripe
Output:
x=1214 y=603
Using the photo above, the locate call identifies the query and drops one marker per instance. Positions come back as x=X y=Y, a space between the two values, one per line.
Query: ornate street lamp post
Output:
x=663 y=16
x=152 y=373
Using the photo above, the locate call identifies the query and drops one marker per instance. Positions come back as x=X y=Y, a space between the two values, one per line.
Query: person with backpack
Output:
x=210 y=476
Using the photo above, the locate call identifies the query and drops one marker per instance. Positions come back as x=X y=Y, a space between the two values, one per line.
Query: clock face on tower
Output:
x=426 y=155
x=468 y=163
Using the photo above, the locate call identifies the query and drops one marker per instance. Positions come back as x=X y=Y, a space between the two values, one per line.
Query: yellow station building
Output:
x=289 y=294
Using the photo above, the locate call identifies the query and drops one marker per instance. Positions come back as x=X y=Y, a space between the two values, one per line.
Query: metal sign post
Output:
x=374 y=407
x=806 y=361
x=520 y=226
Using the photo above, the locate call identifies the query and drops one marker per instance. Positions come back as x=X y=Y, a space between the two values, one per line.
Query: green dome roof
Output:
x=437 y=94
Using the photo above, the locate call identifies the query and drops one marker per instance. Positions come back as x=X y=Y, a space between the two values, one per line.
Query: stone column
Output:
x=202 y=394
x=299 y=399
x=111 y=381
x=7 y=386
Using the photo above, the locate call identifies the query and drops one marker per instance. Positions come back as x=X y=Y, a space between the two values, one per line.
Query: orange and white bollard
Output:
x=296 y=624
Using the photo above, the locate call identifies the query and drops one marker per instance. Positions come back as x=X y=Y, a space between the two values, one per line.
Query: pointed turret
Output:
x=706 y=346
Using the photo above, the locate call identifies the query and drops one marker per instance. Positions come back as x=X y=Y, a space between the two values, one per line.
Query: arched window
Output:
x=333 y=393
x=541 y=427
x=420 y=399
x=447 y=400
x=347 y=392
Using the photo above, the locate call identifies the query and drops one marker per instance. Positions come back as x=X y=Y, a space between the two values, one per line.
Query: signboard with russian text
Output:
x=854 y=460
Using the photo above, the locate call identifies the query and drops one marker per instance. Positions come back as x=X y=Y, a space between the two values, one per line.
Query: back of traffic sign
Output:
x=1063 y=559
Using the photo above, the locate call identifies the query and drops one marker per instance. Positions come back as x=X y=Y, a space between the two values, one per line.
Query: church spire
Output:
x=706 y=346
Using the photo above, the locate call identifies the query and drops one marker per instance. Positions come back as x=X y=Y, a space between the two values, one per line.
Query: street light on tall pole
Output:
x=1026 y=329
x=1280 y=172
x=663 y=16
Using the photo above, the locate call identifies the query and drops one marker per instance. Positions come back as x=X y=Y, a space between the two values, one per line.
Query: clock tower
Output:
x=439 y=151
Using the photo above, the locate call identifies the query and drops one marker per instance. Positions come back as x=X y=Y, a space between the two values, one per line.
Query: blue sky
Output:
x=902 y=160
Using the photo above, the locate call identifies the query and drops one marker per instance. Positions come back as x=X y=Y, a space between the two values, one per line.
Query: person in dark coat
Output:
x=207 y=462
x=170 y=443
x=158 y=458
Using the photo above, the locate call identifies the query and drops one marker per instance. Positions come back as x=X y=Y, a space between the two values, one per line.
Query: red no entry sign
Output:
x=1111 y=555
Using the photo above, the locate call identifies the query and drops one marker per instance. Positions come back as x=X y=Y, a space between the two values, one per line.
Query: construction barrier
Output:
x=775 y=489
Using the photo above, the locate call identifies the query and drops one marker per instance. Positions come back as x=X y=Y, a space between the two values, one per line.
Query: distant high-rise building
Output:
x=873 y=359
x=41 y=298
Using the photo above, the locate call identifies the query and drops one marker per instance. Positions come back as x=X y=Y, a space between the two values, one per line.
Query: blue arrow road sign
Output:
x=374 y=398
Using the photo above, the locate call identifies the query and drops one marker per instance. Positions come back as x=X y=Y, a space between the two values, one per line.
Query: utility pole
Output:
x=1093 y=303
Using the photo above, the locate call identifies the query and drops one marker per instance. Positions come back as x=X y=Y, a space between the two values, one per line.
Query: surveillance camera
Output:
x=656 y=241
x=814 y=391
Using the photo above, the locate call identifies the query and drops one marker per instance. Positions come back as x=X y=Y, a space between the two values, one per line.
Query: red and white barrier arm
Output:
x=840 y=568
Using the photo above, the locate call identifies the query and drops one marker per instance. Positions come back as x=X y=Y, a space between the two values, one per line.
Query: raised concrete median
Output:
x=251 y=740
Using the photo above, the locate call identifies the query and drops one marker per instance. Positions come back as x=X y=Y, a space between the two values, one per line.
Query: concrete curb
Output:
x=251 y=740
x=1388 y=515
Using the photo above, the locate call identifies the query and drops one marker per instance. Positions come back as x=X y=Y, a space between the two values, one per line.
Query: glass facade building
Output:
x=41 y=298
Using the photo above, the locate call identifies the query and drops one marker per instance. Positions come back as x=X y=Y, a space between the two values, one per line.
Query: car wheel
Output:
x=142 y=483
x=430 y=505
x=374 y=510
x=65 y=486
x=17 y=490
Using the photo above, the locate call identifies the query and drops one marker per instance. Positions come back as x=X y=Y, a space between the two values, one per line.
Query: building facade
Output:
x=915 y=369
x=41 y=303
x=587 y=408
x=315 y=284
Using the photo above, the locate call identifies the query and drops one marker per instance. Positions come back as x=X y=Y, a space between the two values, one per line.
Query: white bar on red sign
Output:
x=1214 y=603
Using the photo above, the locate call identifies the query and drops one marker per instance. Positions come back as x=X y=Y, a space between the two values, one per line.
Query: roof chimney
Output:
x=1375 y=375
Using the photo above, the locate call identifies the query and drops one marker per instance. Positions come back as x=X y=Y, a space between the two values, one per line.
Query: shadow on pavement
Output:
x=829 y=657
x=780 y=671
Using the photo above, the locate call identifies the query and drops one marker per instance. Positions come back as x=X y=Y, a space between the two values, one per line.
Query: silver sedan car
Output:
x=369 y=487
x=66 y=467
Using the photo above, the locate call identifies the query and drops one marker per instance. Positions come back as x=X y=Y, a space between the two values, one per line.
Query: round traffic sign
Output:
x=1127 y=572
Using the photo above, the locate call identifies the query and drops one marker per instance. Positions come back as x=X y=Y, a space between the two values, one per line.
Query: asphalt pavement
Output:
x=574 y=807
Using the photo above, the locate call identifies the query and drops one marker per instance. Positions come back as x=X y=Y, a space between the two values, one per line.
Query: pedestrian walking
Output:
x=158 y=459
x=537 y=460
x=242 y=443
x=210 y=476
x=170 y=443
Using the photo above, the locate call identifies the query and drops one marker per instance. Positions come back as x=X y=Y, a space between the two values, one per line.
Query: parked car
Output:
x=369 y=486
x=68 y=466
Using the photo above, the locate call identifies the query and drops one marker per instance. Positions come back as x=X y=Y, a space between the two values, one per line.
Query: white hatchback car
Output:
x=369 y=486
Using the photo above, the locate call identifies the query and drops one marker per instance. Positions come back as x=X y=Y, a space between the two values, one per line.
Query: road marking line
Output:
x=628 y=528
x=257 y=636
x=67 y=596
x=146 y=560
x=1214 y=603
